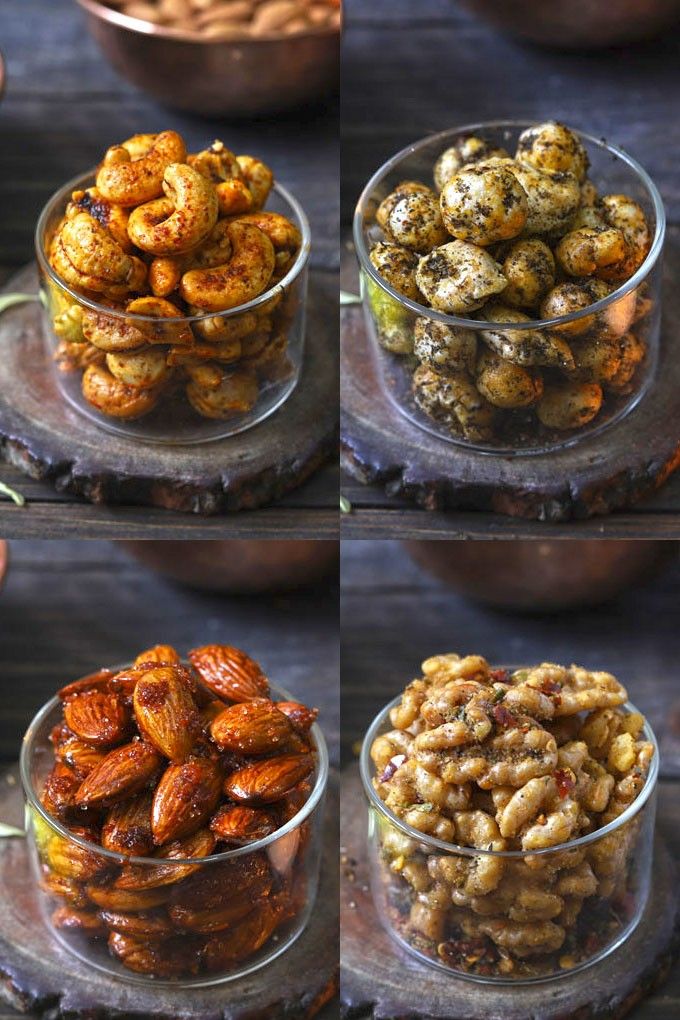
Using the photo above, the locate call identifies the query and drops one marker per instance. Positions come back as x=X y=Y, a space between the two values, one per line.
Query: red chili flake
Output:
x=565 y=782
x=392 y=766
x=499 y=676
x=551 y=687
x=503 y=717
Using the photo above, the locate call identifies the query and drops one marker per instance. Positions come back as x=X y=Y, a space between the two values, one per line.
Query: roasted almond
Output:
x=109 y=898
x=60 y=789
x=65 y=888
x=184 y=799
x=299 y=715
x=251 y=727
x=169 y=959
x=223 y=915
x=147 y=876
x=98 y=681
x=74 y=861
x=267 y=781
x=289 y=805
x=164 y=654
x=153 y=926
x=242 y=941
x=240 y=824
x=127 y=826
x=123 y=772
x=166 y=713
x=79 y=756
x=211 y=711
x=215 y=883
x=98 y=717
x=229 y=672
x=86 y=921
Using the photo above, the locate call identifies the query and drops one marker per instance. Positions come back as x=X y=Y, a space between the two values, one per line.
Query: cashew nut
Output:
x=113 y=217
x=236 y=394
x=133 y=172
x=143 y=368
x=242 y=278
x=258 y=177
x=283 y=234
x=193 y=205
x=115 y=398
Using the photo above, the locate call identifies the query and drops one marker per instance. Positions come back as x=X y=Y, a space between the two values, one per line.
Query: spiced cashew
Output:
x=242 y=278
x=189 y=217
x=132 y=173
x=115 y=398
x=258 y=177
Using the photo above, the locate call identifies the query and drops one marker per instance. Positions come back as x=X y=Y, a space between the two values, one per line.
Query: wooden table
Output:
x=69 y=606
x=63 y=106
x=411 y=69
x=394 y=615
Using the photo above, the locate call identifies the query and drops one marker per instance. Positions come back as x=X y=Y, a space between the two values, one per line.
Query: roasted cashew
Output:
x=161 y=332
x=233 y=328
x=243 y=278
x=139 y=177
x=236 y=394
x=95 y=285
x=143 y=369
x=92 y=250
x=193 y=205
x=220 y=166
x=225 y=352
x=205 y=374
x=114 y=398
x=283 y=234
x=587 y=250
x=258 y=177
x=113 y=217
x=524 y=346
x=111 y=332
x=165 y=272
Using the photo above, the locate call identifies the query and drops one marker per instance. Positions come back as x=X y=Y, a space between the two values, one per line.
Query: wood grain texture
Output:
x=43 y=436
x=380 y=979
x=393 y=615
x=608 y=471
x=38 y=976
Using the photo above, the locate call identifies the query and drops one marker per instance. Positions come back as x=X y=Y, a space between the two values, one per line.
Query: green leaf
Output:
x=8 y=300
x=345 y=505
x=15 y=496
x=10 y=830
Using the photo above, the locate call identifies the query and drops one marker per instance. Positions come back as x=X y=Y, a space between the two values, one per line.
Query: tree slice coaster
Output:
x=601 y=473
x=380 y=980
x=44 y=437
x=38 y=976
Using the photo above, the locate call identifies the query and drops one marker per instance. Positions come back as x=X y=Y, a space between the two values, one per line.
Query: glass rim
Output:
x=62 y=195
x=366 y=768
x=453 y=320
x=142 y=27
x=318 y=790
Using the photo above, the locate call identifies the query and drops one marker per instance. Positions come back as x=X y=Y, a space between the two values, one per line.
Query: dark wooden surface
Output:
x=394 y=615
x=63 y=106
x=68 y=606
x=411 y=69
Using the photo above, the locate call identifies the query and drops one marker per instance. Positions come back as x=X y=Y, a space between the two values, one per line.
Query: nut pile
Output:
x=166 y=234
x=235 y=19
x=170 y=761
x=500 y=761
x=511 y=239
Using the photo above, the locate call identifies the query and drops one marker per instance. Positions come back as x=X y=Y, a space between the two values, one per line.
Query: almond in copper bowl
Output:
x=175 y=836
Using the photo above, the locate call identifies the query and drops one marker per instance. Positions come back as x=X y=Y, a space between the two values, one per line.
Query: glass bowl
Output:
x=269 y=333
x=228 y=937
x=629 y=316
x=446 y=936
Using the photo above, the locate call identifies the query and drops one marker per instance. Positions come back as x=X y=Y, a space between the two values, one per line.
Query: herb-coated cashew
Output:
x=193 y=205
x=587 y=250
x=140 y=178
x=524 y=346
x=236 y=394
x=484 y=205
x=143 y=368
x=465 y=152
x=242 y=278
x=553 y=147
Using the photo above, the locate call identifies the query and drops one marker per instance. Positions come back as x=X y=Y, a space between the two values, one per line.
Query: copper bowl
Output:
x=543 y=576
x=242 y=78
x=582 y=24
x=240 y=566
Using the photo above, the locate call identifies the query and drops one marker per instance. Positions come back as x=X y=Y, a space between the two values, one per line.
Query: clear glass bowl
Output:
x=634 y=308
x=418 y=918
x=269 y=349
x=202 y=931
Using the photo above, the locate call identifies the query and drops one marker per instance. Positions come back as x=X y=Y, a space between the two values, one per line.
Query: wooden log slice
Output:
x=603 y=472
x=38 y=976
x=47 y=439
x=380 y=980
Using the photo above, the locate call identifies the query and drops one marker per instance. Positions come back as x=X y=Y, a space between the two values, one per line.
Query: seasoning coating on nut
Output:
x=459 y=277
